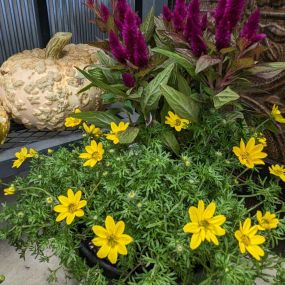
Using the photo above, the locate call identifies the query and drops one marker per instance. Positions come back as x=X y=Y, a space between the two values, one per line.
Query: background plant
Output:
x=193 y=62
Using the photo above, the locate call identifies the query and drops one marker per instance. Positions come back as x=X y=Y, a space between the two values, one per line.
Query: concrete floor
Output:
x=27 y=272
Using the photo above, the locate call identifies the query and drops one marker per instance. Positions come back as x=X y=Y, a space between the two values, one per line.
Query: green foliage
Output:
x=148 y=188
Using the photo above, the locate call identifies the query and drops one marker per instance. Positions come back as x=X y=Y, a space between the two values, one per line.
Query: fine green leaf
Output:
x=178 y=59
x=100 y=84
x=147 y=27
x=152 y=92
x=171 y=142
x=182 y=104
x=105 y=59
x=87 y=87
x=100 y=119
x=129 y=135
x=225 y=97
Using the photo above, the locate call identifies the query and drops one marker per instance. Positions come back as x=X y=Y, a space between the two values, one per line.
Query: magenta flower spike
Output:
x=141 y=54
x=104 y=13
x=121 y=8
x=129 y=80
x=223 y=34
x=251 y=27
x=220 y=11
x=233 y=12
x=193 y=30
x=258 y=38
x=117 y=49
x=130 y=31
x=166 y=13
x=179 y=15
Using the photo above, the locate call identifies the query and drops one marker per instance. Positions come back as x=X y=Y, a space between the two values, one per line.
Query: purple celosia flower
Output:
x=233 y=12
x=204 y=22
x=223 y=34
x=166 y=12
x=251 y=27
x=193 y=30
x=192 y=25
x=117 y=49
x=141 y=52
x=179 y=15
x=220 y=11
x=129 y=80
x=258 y=38
x=104 y=13
x=130 y=30
x=121 y=8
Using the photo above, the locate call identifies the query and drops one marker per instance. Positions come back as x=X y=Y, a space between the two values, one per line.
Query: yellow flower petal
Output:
x=195 y=241
x=113 y=255
x=70 y=218
x=98 y=241
x=110 y=225
x=256 y=251
x=119 y=228
x=209 y=211
x=60 y=209
x=61 y=217
x=191 y=228
x=104 y=251
x=100 y=231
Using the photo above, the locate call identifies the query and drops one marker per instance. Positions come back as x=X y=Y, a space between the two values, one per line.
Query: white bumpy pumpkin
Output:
x=4 y=125
x=39 y=88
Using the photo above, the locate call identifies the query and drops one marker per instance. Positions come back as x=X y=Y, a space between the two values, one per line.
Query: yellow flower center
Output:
x=95 y=155
x=245 y=155
x=177 y=122
x=72 y=208
x=265 y=221
x=245 y=240
x=204 y=223
x=112 y=240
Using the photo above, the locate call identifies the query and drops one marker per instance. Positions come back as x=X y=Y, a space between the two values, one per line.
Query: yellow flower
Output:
x=70 y=206
x=73 y=122
x=204 y=225
x=262 y=139
x=116 y=130
x=92 y=130
x=250 y=154
x=266 y=222
x=50 y=151
x=22 y=155
x=94 y=153
x=10 y=190
x=277 y=114
x=111 y=239
x=248 y=239
x=278 y=170
x=176 y=122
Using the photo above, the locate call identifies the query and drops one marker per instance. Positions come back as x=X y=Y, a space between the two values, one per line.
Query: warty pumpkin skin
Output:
x=39 y=87
x=4 y=124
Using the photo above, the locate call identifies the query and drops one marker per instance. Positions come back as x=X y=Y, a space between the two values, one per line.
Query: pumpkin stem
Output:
x=57 y=44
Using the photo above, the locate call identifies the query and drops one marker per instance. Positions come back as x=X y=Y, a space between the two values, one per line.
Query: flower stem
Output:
x=254 y=207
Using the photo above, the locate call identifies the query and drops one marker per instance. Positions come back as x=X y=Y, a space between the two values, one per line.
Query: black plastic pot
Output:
x=88 y=252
